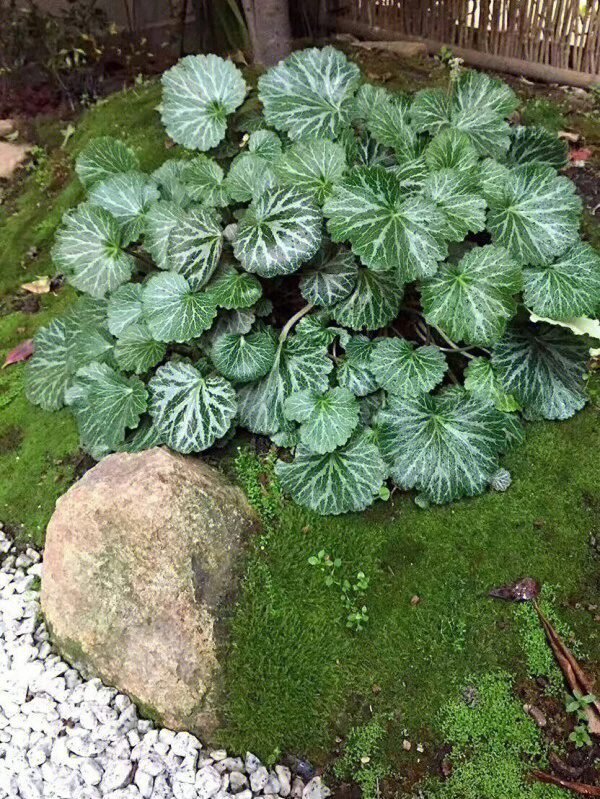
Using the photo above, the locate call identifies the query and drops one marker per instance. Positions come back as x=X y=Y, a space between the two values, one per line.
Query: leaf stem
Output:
x=454 y=347
x=141 y=258
x=292 y=321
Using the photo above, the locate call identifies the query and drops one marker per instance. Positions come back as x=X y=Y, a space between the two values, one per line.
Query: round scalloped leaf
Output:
x=543 y=367
x=367 y=98
x=195 y=244
x=311 y=93
x=481 y=381
x=203 y=179
x=568 y=287
x=389 y=125
x=300 y=363
x=344 y=481
x=244 y=357
x=430 y=111
x=88 y=249
x=169 y=177
x=136 y=350
x=446 y=446
x=161 y=219
x=373 y=303
x=232 y=289
x=265 y=144
x=124 y=307
x=451 y=149
x=105 y=404
x=190 y=411
x=145 y=436
x=405 y=370
x=531 y=145
x=173 y=311
x=330 y=277
x=239 y=320
x=249 y=176
x=198 y=94
x=473 y=300
x=313 y=165
x=357 y=379
x=128 y=197
x=103 y=157
x=536 y=214
x=280 y=230
x=316 y=328
x=387 y=229
x=463 y=211
x=328 y=418
x=48 y=372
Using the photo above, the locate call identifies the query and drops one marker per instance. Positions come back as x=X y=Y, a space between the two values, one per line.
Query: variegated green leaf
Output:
x=124 y=307
x=249 y=176
x=537 y=145
x=431 y=111
x=387 y=231
x=481 y=381
x=103 y=157
x=315 y=328
x=145 y=436
x=330 y=277
x=311 y=93
x=204 y=182
x=367 y=98
x=389 y=124
x=244 y=357
x=568 y=287
x=136 y=350
x=536 y=216
x=88 y=249
x=451 y=149
x=357 y=379
x=280 y=230
x=198 y=94
x=411 y=174
x=312 y=165
x=105 y=404
x=265 y=144
x=405 y=370
x=128 y=197
x=543 y=367
x=473 y=299
x=327 y=418
x=195 y=244
x=446 y=446
x=491 y=178
x=190 y=410
x=299 y=364
x=239 y=320
x=344 y=481
x=161 y=219
x=169 y=178
x=373 y=303
x=173 y=310
x=232 y=289
x=49 y=371
x=463 y=211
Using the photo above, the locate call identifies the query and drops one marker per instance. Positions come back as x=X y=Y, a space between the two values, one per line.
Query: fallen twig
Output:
x=576 y=787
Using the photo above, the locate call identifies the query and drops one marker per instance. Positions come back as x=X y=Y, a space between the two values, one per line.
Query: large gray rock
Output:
x=141 y=565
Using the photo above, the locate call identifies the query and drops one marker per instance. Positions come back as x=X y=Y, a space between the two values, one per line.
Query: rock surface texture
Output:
x=140 y=568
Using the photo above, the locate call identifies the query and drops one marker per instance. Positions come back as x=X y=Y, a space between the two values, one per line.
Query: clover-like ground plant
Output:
x=348 y=271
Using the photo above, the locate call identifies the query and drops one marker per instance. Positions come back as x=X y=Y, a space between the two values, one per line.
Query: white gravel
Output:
x=62 y=737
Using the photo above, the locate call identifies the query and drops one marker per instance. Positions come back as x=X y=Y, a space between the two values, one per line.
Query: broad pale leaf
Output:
x=265 y=144
x=249 y=176
x=90 y=311
x=431 y=111
x=160 y=220
x=312 y=165
x=204 y=181
x=49 y=371
x=530 y=145
x=198 y=94
x=327 y=418
x=446 y=446
x=473 y=300
x=481 y=381
x=88 y=249
x=387 y=230
x=463 y=211
x=543 y=367
x=568 y=287
x=373 y=303
x=169 y=177
x=368 y=97
x=299 y=364
x=244 y=357
x=280 y=230
x=128 y=197
x=103 y=157
x=105 y=404
x=330 y=277
x=389 y=124
x=136 y=350
x=190 y=410
x=405 y=370
x=536 y=216
x=347 y=480
x=311 y=93
x=451 y=149
x=475 y=89
x=195 y=244
x=124 y=307
x=232 y=289
x=173 y=310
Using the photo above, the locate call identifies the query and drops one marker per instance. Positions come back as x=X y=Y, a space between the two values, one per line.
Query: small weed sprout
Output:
x=351 y=592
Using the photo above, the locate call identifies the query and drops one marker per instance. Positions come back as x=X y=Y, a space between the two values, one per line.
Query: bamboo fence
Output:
x=554 y=37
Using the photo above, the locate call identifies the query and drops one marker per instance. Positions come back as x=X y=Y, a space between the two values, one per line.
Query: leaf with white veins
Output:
x=405 y=370
x=327 y=418
x=173 y=310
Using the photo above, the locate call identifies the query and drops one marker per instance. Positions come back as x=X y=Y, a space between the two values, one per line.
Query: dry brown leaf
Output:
x=576 y=787
x=39 y=286
x=21 y=352
x=520 y=591
x=568 y=135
